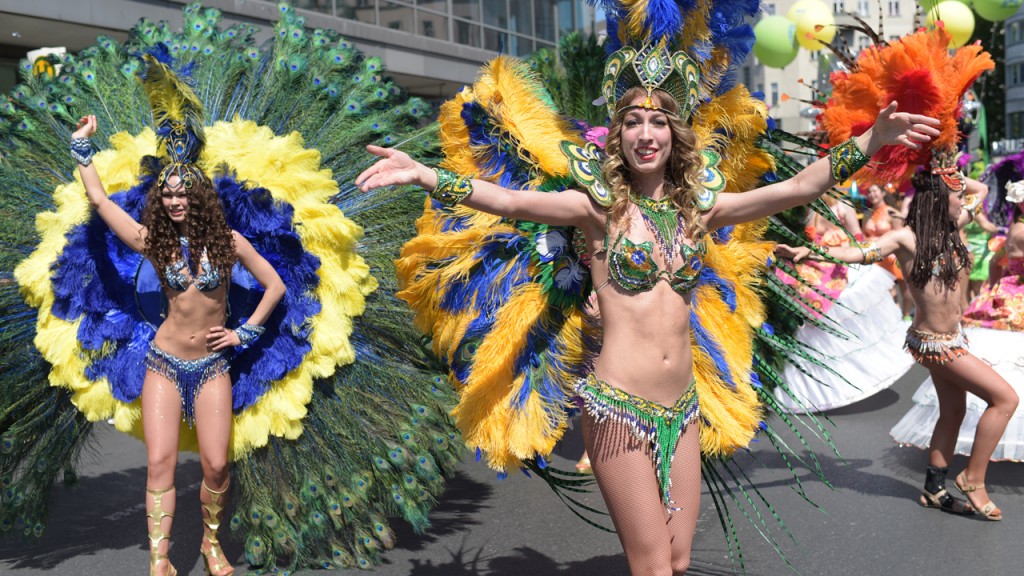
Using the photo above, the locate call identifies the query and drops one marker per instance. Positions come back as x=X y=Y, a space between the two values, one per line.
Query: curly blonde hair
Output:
x=207 y=229
x=682 y=173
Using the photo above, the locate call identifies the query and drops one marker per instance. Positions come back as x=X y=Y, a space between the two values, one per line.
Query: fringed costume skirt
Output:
x=651 y=422
x=188 y=375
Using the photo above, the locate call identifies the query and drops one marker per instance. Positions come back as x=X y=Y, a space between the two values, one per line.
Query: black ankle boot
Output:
x=935 y=495
x=935 y=479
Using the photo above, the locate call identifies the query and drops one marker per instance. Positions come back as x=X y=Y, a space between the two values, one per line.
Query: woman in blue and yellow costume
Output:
x=658 y=233
x=324 y=410
x=184 y=235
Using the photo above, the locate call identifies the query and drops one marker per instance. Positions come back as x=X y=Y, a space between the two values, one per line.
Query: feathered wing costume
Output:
x=339 y=418
x=502 y=300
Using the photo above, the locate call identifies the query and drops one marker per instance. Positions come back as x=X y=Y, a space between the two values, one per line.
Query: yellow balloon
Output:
x=815 y=31
x=956 y=18
x=802 y=7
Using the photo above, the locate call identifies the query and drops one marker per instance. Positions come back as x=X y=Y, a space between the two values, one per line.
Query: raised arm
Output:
x=220 y=337
x=120 y=222
x=397 y=168
x=974 y=200
x=891 y=127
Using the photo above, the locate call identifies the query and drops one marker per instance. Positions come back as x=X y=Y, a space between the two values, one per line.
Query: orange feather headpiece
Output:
x=920 y=73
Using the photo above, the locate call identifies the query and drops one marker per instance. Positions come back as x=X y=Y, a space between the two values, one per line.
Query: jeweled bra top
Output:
x=632 y=266
x=179 y=277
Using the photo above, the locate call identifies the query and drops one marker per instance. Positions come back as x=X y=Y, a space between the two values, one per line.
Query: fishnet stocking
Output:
x=655 y=542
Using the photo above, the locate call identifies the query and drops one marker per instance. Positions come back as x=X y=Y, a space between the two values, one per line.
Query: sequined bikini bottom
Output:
x=188 y=375
x=648 y=421
x=926 y=346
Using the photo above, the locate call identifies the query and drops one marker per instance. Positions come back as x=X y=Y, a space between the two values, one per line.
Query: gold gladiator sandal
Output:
x=156 y=533
x=214 y=558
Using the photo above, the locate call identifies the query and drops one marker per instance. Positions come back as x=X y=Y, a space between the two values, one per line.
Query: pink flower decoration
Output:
x=596 y=135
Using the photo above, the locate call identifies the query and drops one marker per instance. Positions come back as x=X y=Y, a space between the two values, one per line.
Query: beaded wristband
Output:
x=972 y=204
x=248 y=333
x=451 y=188
x=81 y=151
x=846 y=159
x=871 y=252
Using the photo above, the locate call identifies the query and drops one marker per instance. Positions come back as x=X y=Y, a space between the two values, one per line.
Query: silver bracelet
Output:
x=248 y=333
x=81 y=150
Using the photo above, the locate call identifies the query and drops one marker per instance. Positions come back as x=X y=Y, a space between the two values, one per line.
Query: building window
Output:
x=775 y=94
x=863 y=8
x=466 y=9
x=1015 y=125
x=894 y=7
x=1013 y=34
x=495 y=13
x=521 y=18
x=1014 y=73
x=863 y=42
x=467 y=34
x=838 y=6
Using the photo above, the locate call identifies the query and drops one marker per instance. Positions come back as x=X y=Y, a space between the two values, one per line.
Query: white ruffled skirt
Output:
x=871 y=360
x=1004 y=350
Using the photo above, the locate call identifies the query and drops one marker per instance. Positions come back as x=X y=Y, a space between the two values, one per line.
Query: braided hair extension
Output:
x=938 y=240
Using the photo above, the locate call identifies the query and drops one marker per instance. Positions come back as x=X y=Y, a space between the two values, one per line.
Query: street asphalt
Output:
x=867 y=523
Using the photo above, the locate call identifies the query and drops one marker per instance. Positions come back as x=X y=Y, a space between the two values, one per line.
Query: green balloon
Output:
x=996 y=10
x=775 y=41
x=927 y=5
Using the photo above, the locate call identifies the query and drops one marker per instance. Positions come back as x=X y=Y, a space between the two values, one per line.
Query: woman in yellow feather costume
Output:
x=183 y=232
x=673 y=261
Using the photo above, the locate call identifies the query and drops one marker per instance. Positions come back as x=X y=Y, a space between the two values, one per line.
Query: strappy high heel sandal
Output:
x=213 y=558
x=990 y=511
x=156 y=533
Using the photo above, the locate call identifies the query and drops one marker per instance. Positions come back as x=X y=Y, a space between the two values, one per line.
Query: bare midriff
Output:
x=190 y=315
x=645 y=347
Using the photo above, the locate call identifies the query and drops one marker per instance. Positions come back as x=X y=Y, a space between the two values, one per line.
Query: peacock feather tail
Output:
x=340 y=414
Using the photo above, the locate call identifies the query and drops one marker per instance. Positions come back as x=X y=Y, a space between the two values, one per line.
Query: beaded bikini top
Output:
x=179 y=277
x=632 y=266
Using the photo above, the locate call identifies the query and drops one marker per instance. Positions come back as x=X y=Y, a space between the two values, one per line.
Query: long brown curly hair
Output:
x=938 y=240
x=207 y=230
x=682 y=172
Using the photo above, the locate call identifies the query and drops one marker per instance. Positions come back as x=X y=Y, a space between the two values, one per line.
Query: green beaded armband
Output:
x=451 y=188
x=846 y=159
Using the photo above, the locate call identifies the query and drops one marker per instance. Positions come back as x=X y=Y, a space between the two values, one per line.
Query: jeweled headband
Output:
x=652 y=67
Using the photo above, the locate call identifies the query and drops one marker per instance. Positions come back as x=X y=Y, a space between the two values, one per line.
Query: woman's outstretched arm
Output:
x=870 y=253
x=396 y=168
x=891 y=127
x=120 y=222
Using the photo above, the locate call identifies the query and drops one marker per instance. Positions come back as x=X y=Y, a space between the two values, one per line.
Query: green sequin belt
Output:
x=648 y=421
